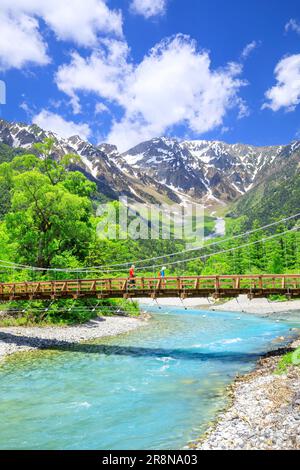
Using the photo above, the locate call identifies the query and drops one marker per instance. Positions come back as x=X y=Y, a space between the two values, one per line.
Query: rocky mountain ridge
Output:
x=163 y=169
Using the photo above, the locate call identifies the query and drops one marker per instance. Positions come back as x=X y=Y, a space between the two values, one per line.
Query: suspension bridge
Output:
x=254 y=286
x=110 y=283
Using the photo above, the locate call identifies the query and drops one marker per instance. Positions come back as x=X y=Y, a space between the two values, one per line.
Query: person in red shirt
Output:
x=132 y=276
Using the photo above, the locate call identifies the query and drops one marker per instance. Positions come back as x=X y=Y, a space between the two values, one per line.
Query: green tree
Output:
x=49 y=207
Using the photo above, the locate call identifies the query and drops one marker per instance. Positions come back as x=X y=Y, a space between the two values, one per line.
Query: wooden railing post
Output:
x=78 y=286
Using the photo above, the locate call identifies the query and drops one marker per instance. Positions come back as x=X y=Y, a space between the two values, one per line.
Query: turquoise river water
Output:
x=157 y=387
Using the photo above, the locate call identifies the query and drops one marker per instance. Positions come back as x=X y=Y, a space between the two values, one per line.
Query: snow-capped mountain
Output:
x=163 y=169
x=99 y=163
x=205 y=169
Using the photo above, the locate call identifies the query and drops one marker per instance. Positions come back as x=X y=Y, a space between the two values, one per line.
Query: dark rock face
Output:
x=109 y=149
x=20 y=135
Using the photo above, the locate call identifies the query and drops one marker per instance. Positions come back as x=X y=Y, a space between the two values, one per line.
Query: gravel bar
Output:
x=18 y=339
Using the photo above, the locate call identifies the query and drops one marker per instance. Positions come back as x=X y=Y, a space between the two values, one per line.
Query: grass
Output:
x=23 y=321
x=288 y=360
x=278 y=298
x=209 y=225
x=63 y=312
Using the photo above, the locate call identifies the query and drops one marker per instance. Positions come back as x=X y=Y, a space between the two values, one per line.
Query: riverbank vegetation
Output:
x=63 y=312
x=292 y=358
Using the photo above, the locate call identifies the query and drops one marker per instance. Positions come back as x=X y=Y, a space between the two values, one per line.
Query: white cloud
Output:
x=243 y=108
x=148 y=8
x=101 y=108
x=286 y=93
x=249 y=48
x=21 y=42
x=80 y=21
x=103 y=73
x=225 y=129
x=55 y=123
x=26 y=108
x=293 y=25
x=174 y=84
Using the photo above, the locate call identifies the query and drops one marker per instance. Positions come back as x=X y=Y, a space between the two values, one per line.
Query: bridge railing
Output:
x=119 y=286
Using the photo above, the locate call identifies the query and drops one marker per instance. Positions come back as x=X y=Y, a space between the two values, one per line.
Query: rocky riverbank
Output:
x=18 y=339
x=257 y=306
x=242 y=304
x=264 y=413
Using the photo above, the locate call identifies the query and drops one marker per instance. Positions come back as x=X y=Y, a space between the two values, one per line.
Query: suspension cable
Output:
x=11 y=265
x=271 y=237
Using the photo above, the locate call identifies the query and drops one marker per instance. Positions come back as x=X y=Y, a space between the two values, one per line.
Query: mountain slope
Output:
x=203 y=169
x=112 y=180
x=277 y=195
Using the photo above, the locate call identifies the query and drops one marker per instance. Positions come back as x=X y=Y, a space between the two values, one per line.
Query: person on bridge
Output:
x=132 y=276
x=162 y=274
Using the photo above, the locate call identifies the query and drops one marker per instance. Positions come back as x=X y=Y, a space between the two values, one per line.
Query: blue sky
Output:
x=125 y=71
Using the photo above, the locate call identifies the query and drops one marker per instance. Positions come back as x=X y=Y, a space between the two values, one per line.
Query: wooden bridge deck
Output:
x=184 y=287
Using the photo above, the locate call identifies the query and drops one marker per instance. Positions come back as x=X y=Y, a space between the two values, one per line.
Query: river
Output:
x=157 y=387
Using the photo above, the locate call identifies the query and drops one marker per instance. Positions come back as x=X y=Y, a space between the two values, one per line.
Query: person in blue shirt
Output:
x=162 y=272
